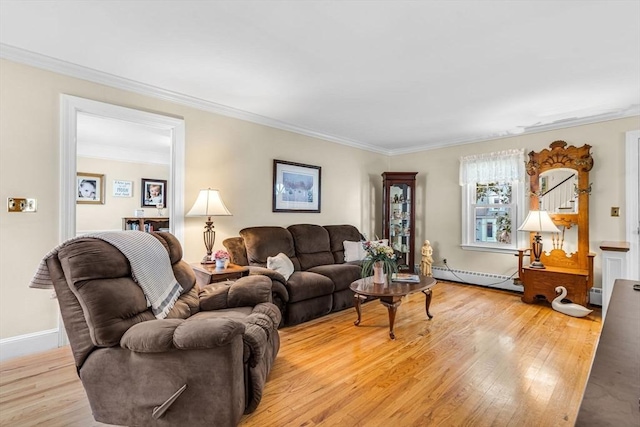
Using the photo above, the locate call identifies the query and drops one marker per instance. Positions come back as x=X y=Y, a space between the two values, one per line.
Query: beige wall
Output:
x=438 y=170
x=229 y=154
x=90 y=217
x=236 y=157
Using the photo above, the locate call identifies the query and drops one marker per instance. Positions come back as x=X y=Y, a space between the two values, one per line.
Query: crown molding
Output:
x=48 y=63
x=631 y=111
x=37 y=60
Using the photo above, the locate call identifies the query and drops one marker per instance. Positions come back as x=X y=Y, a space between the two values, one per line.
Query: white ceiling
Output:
x=390 y=76
x=106 y=138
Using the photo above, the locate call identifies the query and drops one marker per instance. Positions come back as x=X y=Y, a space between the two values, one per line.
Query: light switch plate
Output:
x=19 y=204
x=615 y=211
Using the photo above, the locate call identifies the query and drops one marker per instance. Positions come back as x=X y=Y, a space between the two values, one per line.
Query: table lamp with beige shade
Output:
x=208 y=204
x=538 y=221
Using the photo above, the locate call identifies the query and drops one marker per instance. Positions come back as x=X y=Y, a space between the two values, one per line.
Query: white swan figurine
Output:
x=571 y=309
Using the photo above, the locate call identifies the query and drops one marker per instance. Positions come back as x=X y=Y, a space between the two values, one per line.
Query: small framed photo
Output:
x=90 y=187
x=154 y=193
x=296 y=187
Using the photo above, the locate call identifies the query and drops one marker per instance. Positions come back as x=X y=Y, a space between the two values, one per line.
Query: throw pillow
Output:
x=354 y=251
x=282 y=264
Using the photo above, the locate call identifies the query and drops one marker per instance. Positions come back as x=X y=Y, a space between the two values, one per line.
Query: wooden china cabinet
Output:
x=399 y=191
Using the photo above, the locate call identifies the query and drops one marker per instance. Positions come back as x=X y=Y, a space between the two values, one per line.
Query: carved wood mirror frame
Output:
x=559 y=155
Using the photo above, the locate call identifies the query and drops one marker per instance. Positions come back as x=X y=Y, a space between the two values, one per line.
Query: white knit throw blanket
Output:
x=150 y=267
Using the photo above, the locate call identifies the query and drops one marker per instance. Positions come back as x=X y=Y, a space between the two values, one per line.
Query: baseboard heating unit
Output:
x=495 y=281
x=595 y=296
x=475 y=278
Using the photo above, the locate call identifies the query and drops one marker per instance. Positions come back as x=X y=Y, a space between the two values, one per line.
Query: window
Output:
x=493 y=210
x=492 y=200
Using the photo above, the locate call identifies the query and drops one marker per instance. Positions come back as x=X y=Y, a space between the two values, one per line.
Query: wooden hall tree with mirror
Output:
x=559 y=183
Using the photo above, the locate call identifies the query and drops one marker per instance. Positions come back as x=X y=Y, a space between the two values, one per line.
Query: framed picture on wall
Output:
x=154 y=193
x=90 y=188
x=296 y=187
x=122 y=188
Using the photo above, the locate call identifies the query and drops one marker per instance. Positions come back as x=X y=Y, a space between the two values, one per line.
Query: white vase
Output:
x=221 y=263
x=378 y=273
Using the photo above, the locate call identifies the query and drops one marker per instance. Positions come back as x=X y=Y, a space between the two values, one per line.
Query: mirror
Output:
x=558 y=191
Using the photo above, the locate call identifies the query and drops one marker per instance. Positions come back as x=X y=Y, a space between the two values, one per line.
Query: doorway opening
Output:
x=75 y=109
x=70 y=109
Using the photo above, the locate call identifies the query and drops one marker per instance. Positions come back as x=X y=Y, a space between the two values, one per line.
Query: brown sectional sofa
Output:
x=321 y=278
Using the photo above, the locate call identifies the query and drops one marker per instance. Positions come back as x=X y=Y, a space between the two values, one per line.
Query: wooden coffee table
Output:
x=390 y=295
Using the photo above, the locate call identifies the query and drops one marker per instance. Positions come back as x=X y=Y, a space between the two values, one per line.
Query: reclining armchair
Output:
x=206 y=363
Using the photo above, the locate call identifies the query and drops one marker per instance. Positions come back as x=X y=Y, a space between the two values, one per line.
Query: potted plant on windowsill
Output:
x=380 y=262
x=221 y=258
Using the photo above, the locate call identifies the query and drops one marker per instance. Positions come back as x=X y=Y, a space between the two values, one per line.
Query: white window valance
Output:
x=501 y=166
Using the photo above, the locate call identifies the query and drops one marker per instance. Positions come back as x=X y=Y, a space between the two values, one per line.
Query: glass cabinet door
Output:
x=399 y=215
x=400 y=222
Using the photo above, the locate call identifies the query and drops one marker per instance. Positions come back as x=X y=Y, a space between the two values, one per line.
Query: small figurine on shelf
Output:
x=395 y=198
x=427 y=259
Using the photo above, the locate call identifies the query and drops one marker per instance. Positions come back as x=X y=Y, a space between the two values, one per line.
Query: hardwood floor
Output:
x=485 y=359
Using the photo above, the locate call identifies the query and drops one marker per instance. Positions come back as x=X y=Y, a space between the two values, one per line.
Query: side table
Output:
x=208 y=273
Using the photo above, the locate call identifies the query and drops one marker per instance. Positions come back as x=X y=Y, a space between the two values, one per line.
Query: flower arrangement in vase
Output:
x=221 y=258
x=380 y=260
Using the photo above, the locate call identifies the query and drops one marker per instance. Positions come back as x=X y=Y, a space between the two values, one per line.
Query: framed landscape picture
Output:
x=154 y=192
x=296 y=187
x=90 y=188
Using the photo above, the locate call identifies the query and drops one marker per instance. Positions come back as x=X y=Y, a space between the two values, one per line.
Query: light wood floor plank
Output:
x=485 y=359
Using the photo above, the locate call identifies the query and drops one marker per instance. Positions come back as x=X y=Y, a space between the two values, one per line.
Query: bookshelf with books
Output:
x=147 y=224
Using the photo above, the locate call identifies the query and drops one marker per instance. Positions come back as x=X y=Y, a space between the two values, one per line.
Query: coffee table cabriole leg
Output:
x=392 y=306
x=357 y=299
x=427 y=302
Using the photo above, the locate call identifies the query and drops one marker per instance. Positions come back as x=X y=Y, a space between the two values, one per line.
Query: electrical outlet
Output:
x=615 y=211
x=18 y=204
x=444 y=261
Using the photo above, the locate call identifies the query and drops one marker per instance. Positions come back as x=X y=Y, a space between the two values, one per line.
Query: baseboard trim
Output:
x=495 y=281
x=24 y=345
x=475 y=278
